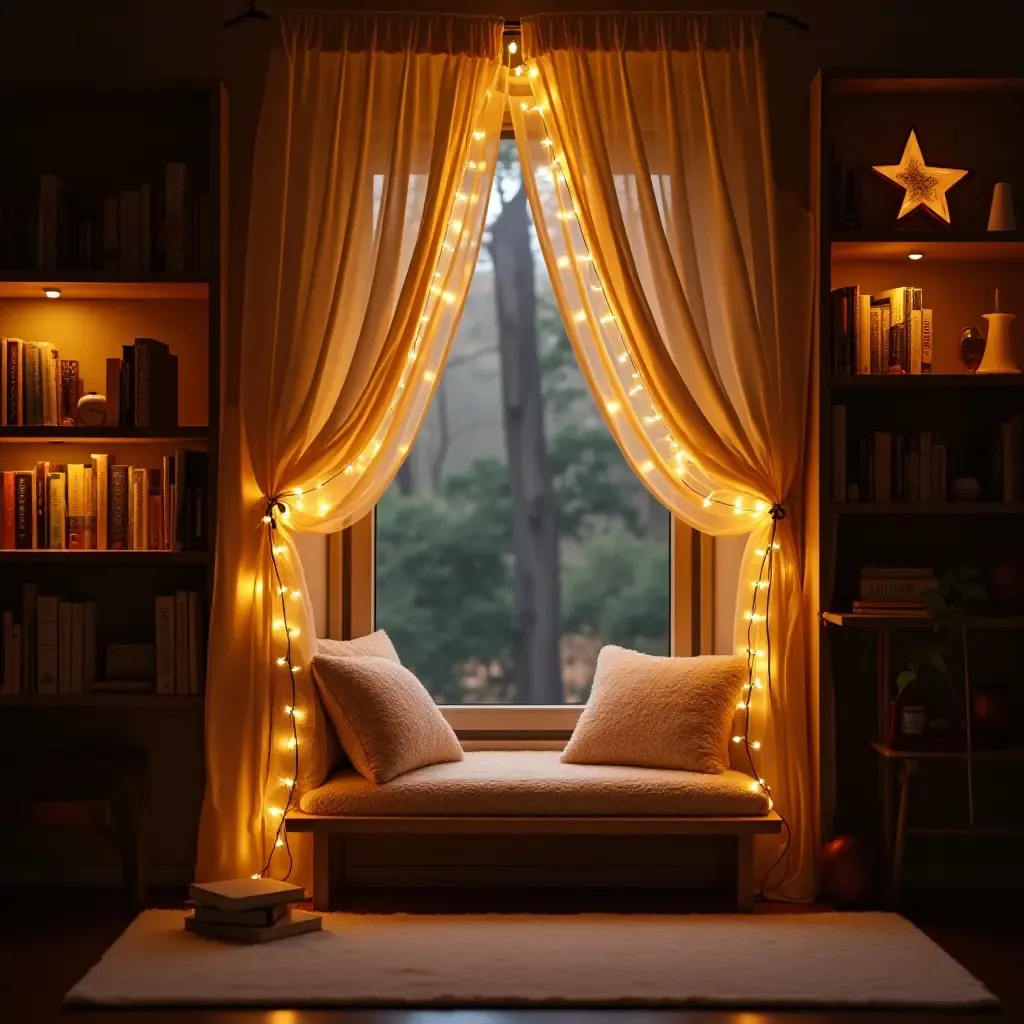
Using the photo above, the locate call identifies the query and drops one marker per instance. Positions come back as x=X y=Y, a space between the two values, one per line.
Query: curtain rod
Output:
x=250 y=12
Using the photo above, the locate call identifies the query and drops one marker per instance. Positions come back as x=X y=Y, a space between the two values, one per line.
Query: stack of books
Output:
x=894 y=592
x=887 y=333
x=248 y=910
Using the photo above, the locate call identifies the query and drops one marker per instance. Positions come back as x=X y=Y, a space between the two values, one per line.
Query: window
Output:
x=515 y=541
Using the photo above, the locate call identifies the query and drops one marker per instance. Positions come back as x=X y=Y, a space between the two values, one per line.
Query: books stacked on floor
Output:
x=153 y=227
x=42 y=390
x=101 y=506
x=879 y=465
x=248 y=910
x=888 y=333
x=894 y=592
x=50 y=649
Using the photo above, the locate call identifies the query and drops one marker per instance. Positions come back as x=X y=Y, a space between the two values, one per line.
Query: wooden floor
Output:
x=49 y=939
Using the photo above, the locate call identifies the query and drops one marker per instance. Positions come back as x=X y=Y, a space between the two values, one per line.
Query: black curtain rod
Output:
x=250 y=12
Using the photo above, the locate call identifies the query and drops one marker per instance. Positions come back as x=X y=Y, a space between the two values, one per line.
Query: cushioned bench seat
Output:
x=529 y=783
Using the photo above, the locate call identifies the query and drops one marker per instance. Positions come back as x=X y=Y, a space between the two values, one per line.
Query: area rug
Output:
x=736 y=961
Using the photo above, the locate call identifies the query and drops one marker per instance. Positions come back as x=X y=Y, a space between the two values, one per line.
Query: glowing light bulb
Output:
x=609 y=318
x=534 y=72
x=612 y=407
x=267 y=519
x=278 y=551
x=646 y=467
x=429 y=375
x=758 y=685
x=562 y=262
x=448 y=297
x=706 y=503
x=282 y=661
x=624 y=358
x=741 y=706
x=324 y=507
x=292 y=631
x=737 y=739
x=755 y=787
x=281 y=591
x=285 y=781
x=738 y=507
x=280 y=842
x=460 y=197
x=635 y=389
x=513 y=46
x=583 y=257
x=256 y=876
x=478 y=135
x=296 y=594
x=290 y=743
x=278 y=624
x=275 y=812
x=653 y=418
x=580 y=316
x=760 y=506
x=756 y=744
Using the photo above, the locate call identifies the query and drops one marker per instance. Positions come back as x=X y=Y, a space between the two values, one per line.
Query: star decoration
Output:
x=925 y=186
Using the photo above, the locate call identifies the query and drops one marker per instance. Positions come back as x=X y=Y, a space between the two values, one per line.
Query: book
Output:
x=101 y=511
x=57 y=510
x=13 y=390
x=245 y=893
x=71 y=391
x=32 y=385
x=146 y=229
x=940 y=485
x=47 y=645
x=24 y=509
x=883 y=467
x=89 y=646
x=51 y=224
x=165 y=645
x=875 y=338
x=839 y=443
x=29 y=600
x=12 y=657
x=49 y=388
x=129 y=232
x=843 y=302
x=77 y=645
x=119 y=508
x=925 y=488
x=167 y=493
x=140 y=509
x=862 y=333
x=8 y=510
x=112 y=416
x=111 y=227
x=899 y=468
x=64 y=647
x=153 y=373
x=912 y=487
x=245 y=918
x=885 y=588
x=181 y=679
x=127 y=396
x=175 y=217
x=295 y=922
x=76 y=511
x=42 y=537
x=155 y=526
x=915 y=340
x=196 y=653
x=926 y=341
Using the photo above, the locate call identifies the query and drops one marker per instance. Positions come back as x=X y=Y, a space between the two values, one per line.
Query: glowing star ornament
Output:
x=925 y=186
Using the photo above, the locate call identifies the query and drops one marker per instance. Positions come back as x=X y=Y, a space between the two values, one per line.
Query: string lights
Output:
x=684 y=467
x=280 y=793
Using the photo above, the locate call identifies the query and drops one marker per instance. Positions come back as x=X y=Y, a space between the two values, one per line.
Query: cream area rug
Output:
x=800 y=960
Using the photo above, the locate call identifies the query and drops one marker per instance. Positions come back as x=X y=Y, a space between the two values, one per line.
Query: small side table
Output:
x=108 y=785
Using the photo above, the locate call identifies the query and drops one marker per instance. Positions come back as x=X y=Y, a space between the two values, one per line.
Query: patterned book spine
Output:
x=24 y=511
x=119 y=511
x=76 y=507
x=57 y=510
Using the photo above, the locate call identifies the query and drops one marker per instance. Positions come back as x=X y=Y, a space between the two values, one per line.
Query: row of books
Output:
x=882 y=466
x=888 y=333
x=98 y=506
x=43 y=390
x=894 y=592
x=153 y=228
x=50 y=649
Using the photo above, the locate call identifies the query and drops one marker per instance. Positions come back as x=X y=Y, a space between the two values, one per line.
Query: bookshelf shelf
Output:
x=946 y=508
x=918 y=621
x=102 y=435
x=40 y=557
x=1004 y=245
x=105 y=700
x=976 y=754
x=92 y=287
x=901 y=381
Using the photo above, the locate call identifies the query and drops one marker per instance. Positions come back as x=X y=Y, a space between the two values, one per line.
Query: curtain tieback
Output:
x=274 y=505
x=777 y=512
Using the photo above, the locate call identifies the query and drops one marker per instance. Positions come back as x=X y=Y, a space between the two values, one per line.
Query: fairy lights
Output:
x=581 y=271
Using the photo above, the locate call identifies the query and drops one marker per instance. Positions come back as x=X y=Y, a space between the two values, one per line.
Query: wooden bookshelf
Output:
x=859 y=120
x=105 y=144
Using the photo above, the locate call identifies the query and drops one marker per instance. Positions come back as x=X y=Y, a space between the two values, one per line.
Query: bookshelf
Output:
x=859 y=120
x=149 y=165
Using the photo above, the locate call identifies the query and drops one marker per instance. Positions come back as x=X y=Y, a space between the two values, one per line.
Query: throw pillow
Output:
x=386 y=721
x=374 y=645
x=651 y=712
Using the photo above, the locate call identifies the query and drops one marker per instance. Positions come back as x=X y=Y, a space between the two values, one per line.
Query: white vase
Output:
x=999 y=356
x=1000 y=215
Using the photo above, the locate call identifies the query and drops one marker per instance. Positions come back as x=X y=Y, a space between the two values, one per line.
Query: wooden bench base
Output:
x=325 y=827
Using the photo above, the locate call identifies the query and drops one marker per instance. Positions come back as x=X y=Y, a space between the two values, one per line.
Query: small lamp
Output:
x=999 y=356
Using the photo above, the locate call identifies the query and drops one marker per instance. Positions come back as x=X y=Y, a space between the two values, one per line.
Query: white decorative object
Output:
x=92 y=410
x=999 y=356
x=1001 y=216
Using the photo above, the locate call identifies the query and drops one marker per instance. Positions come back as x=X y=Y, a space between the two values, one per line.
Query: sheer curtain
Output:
x=374 y=159
x=686 y=286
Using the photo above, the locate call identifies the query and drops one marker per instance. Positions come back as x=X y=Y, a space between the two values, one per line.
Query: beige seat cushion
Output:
x=537 y=783
x=652 y=712
x=386 y=721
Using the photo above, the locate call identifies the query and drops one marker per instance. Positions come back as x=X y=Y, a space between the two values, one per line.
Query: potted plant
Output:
x=928 y=701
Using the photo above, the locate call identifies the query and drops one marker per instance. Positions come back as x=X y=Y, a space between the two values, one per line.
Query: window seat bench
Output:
x=531 y=792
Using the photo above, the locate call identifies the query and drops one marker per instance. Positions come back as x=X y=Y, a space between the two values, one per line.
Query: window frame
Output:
x=351 y=566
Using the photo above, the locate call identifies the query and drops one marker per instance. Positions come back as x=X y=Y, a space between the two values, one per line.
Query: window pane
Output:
x=515 y=541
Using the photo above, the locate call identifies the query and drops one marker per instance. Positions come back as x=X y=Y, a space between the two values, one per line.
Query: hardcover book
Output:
x=119 y=507
x=47 y=646
x=245 y=893
x=165 y=644
x=24 y=510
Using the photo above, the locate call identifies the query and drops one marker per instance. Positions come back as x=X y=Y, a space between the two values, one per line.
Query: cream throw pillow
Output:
x=386 y=721
x=651 y=712
x=374 y=645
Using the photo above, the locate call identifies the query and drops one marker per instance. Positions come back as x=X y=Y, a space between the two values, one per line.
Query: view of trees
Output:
x=516 y=541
